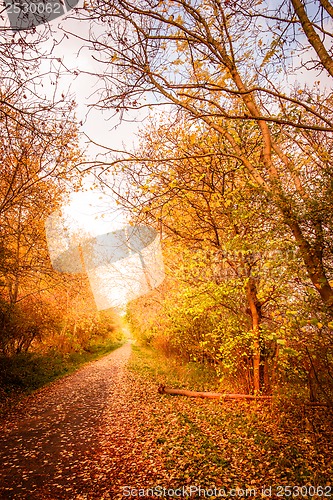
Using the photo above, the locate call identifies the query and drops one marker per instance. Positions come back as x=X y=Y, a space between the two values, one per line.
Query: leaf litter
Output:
x=104 y=430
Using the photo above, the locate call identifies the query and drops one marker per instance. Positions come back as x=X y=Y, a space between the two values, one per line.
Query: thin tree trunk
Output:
x=312 y=36
x=327 y=6
x=313 y=263
x=255 y=310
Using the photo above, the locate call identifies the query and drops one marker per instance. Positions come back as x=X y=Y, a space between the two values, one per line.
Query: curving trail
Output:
x=77 y=438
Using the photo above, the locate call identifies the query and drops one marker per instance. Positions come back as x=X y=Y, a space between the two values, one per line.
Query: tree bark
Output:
x=313 y=262
x=210 y=395
x=312 y=36
x=255 y=311
x=327 y=6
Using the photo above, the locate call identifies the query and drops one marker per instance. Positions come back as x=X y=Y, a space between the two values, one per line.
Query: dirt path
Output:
x=75 y=438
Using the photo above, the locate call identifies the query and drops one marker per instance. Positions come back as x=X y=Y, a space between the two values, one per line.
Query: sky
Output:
x=94 y=211
x=91 y=213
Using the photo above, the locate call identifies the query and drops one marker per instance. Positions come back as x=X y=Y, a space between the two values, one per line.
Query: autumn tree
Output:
x=237 y=294
x=30 y=74
x=230 y=251
x=37 y=171
x=38 y=153
x=212 y=60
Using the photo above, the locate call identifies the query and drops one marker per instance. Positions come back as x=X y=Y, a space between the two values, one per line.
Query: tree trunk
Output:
x=255 y=311
x=312 y=259
x=327 y=6
x=312 y=36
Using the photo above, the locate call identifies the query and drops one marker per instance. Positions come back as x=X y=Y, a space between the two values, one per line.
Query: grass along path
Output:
x=27 y=372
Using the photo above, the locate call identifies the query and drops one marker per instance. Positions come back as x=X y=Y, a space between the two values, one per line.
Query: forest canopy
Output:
x=235 y=172
x=233 y=169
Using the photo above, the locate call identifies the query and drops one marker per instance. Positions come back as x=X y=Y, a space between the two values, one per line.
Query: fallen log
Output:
x=211 y=395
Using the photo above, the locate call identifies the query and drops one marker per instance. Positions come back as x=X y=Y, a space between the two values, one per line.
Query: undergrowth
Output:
x=173 y=372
